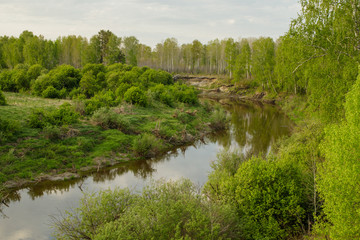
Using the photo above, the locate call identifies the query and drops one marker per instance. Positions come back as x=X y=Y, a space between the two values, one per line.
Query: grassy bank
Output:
x=111 y=135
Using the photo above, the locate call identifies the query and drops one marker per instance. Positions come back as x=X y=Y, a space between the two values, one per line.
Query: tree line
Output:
x=226 y=56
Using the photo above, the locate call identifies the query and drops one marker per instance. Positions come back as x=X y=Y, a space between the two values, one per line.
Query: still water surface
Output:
x=254 y=128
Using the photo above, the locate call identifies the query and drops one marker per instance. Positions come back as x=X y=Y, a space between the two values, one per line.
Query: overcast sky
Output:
x=150 y=21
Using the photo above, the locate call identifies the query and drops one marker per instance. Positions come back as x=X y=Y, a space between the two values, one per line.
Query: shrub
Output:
x=52 y=132
x=270 y=195
x=172 y=210
x=7 y=129
x=40 y=84
x=38 y=119
x=2 y=99
x=219 y=119
x=50 y=92
x=94 y=68
x=19 y=77
x=271 y=200
x=88 y=84
x=185 y=94
x=135 y=96
x=34 y=72
x=108 y=119
x=64 y=115
x=101 y=99
x=6 y=82
x=162 y=94
x=121 y=90
x=184 y=117
x=147 y=145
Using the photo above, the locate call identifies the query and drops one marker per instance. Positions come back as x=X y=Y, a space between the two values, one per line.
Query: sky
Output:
x=149 y=21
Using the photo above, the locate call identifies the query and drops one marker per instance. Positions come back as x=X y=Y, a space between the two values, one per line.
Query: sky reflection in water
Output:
x=254 y=129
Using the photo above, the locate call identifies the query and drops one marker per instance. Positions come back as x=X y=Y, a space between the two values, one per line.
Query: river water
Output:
x=254 y=128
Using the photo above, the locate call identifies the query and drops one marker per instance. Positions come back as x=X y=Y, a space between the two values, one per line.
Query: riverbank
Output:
x=31 y=155
x=217 y=87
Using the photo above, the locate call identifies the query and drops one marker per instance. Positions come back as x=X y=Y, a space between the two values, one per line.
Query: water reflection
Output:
x=253 y=130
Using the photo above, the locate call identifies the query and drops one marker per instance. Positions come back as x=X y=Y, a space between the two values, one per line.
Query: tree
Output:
x=196 y=50
x=326 y=38
x=243 y=61
x=263 y=61
x=231 y=51
x=130 y=48
x=88 y=84
x=113 y=52
x=339 y=175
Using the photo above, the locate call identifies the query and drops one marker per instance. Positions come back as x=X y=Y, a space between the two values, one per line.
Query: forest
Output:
x=306 y=188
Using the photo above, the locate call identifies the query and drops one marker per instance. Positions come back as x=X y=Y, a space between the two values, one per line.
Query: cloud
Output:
x=149 y=21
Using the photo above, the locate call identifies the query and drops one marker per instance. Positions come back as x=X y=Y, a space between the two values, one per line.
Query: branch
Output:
x=305 y=61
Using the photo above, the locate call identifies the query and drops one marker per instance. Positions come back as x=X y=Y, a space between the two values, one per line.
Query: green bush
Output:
x=50 y=92
x=184 y=93
x=101 y=99
x=184 y=117
x=108 y=119
x=219 y=119
x=88 y=84
x=340 y=172
x=172 y=210
x=121 y=90
x=270 y=195
x=147 y=145
x=7 y=129
x=52 y=132
x=38 y=119
x=62 y=77
x=34 y=72
x=6 y=82
x=64 y=115
x=271 y=200
x=135 y=95
x=2 y=99
x=20 y=78
x=162 y=93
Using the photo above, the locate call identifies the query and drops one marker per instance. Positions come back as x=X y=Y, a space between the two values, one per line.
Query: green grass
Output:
x=20 y=105
x=30 y=152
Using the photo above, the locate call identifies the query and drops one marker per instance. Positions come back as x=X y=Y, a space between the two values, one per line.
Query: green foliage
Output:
x=63 y=115
x=270 y=198
x=50 y=92
x=135 y=95
x=263 y=61
x=173 y=210
x=7 y=129
x=163 y=94
x=6 y=82
x=339 y=175
x=2 y=99
x=147 y=145
x=269 y=195
x=88 y=84
x=62 y=77
x=219 y=119
x=184 y=93
x=34 y=72
x=220 y=184
x=319 y=55
x=108 y=119
x=52 y=132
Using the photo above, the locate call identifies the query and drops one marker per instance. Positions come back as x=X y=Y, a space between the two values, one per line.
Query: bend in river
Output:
x=254 y=128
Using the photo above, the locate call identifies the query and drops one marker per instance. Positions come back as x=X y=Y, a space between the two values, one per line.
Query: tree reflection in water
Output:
x=253 y=130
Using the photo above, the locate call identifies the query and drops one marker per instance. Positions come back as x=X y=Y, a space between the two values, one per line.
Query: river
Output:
x=254 y=128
